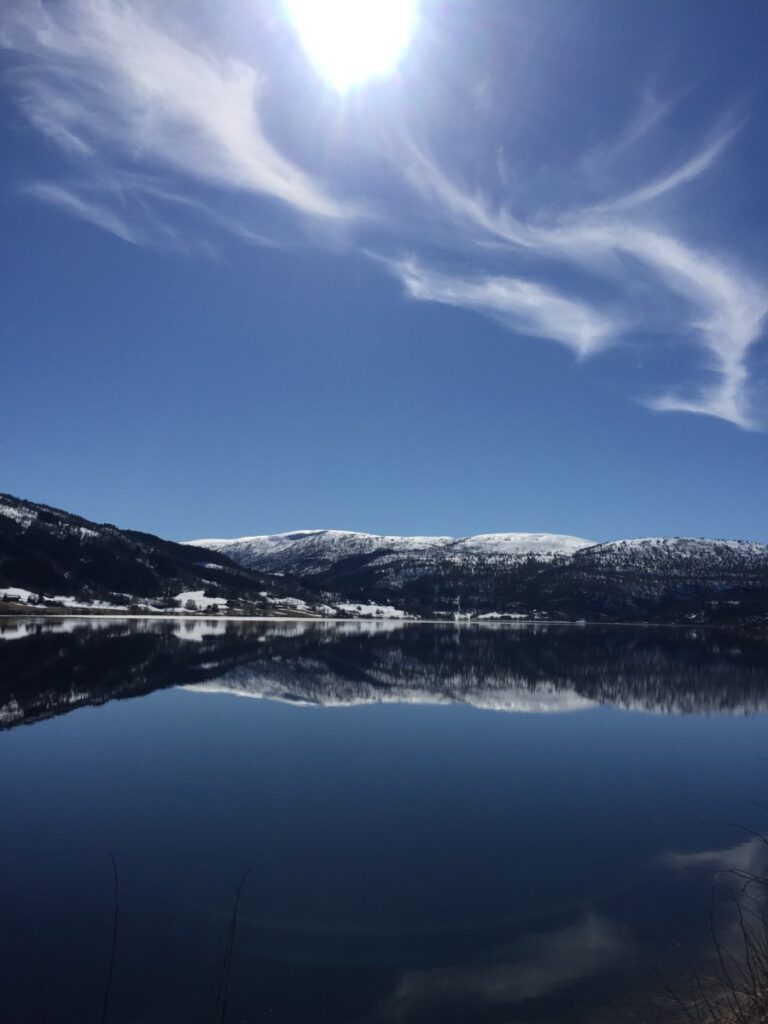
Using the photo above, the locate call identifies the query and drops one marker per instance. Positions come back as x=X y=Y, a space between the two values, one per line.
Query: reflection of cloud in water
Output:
x=747 y=858
x=731 y=985
x=543 y=965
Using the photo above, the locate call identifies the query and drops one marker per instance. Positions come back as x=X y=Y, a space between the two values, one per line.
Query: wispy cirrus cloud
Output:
x=125 y=205
x=689 y=170
x=652 y=110
x=523 y=306
x=109 y=81
x=139 y=104
x=103 y=216
x=724 y=306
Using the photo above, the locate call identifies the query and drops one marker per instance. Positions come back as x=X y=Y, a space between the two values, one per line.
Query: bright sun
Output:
x=352 y=41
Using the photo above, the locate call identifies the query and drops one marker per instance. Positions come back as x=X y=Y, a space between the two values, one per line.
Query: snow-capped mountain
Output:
x=520 y=574
x=541 y=546
x=680 y=554
x=52 y=558
x=311 y=551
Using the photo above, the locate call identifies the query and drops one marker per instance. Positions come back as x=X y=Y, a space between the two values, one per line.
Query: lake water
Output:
x=483 y=824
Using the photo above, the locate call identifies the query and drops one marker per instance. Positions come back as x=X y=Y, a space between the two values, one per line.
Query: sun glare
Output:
x=352 y=41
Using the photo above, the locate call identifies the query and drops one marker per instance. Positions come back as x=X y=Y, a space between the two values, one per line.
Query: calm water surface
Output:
x=484 y=825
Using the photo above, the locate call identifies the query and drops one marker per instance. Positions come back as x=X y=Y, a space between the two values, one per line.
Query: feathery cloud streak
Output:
x=687 y=171
x=93 y=212
x=104 y=77
x=726 y=307
x=129 y=96
x=523 y=306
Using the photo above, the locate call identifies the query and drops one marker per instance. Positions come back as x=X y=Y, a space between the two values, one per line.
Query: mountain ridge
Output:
x=312 y=548
x=50 y=557
x=334 y=573
x=520 y=574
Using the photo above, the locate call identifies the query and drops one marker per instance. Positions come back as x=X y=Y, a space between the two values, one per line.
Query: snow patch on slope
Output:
x=16 y=593
x=199 y=600
x=24 y=516
x=372 y=611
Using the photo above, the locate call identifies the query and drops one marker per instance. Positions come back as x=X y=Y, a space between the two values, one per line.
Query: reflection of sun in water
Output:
x=352 y=41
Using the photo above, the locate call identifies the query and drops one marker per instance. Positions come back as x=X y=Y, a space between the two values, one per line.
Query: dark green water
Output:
x=482 y=825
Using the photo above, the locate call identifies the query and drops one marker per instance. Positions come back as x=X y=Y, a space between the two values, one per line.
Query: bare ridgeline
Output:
x=51 y=560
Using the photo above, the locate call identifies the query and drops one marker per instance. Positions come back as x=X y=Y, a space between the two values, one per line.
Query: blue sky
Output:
x=517 y=283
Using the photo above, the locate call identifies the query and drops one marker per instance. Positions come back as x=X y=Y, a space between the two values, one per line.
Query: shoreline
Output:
x=192 y=617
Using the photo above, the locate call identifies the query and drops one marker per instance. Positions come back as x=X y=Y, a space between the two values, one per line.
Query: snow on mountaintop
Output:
x=680 y=551
x=267 y=542
x=307 y=551
x=541 y=544
x=313 y=550
x=689 y=543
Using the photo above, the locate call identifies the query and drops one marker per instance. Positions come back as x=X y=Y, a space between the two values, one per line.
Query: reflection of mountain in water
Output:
x=46 y=669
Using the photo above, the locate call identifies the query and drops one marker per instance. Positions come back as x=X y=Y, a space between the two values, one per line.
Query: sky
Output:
x=497 y=266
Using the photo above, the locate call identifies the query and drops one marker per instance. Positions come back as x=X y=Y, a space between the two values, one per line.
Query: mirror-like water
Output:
x=484 y=824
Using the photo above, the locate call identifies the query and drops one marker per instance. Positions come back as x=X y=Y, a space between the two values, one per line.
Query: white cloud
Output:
x=470 y=211
x=726 y=308
x=686 y=172
x=93 y=212
x=108 y=78
x=523 y=306
x=728 y=314
x=126 y=205
x=651 y=111
x=117 y=87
